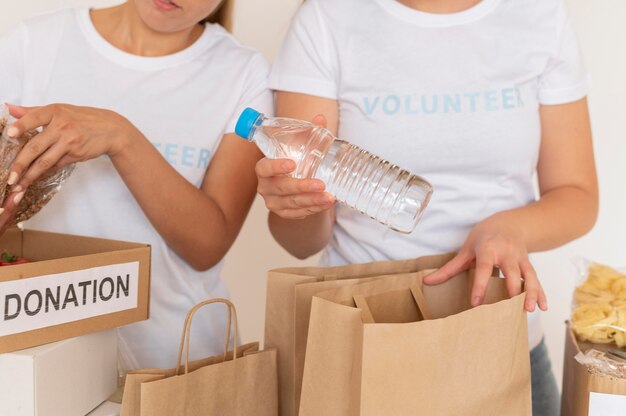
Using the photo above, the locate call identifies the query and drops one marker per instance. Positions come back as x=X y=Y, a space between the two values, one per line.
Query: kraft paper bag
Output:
x=240 y=382
x=289 y=295
x=442 y=358
x=398 y=306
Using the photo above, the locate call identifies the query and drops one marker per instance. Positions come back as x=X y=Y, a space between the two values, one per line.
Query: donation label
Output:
x=601 y=404
x=39 y=302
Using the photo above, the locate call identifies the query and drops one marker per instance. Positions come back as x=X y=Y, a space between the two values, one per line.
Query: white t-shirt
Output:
x=184 y=103
x=453 y=98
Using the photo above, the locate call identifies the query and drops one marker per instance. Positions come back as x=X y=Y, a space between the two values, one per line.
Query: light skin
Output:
x=567 y=208
x=199 y=224
x=439 y=6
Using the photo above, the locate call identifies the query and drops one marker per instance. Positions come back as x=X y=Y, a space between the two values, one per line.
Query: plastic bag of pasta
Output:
x=39 y=192
x=599 y=310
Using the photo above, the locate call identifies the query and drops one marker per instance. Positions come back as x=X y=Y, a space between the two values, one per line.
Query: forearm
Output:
x=188 y=219
x=198 y=224
x=560 y=216
x=303 y=238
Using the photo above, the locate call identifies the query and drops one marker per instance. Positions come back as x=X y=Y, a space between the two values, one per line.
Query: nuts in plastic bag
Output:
x=40 y=192
x=599 y=313
x=598 y=362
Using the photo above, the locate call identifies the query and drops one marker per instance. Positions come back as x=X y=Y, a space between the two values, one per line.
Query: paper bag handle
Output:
x=184 y=342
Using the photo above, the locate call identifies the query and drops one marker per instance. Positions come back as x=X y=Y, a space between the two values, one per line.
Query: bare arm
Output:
x=301 y=216
x=200 y=225
x=568 y=183
x=567 y=209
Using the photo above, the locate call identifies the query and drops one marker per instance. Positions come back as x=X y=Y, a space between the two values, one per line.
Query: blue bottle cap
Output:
x=246 y=122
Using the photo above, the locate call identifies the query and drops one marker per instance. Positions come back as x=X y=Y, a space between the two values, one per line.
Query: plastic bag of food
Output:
x=39 y=192
x=605 y=363
x=599 y=310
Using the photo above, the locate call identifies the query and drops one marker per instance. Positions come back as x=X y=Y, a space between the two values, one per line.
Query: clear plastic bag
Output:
x=599 y=309
x=598 y=362
x=40 y=192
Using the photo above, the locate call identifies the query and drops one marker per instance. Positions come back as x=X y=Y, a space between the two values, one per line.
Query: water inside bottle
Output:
x=361 y=180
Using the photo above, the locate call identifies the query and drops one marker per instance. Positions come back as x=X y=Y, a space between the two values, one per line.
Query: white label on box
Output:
x=601 y=404
x=39 y=302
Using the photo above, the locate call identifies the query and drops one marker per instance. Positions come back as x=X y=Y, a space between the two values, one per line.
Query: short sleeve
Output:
x=565 y=78
x=307 y=61
x=256 y=93
x=12 y=44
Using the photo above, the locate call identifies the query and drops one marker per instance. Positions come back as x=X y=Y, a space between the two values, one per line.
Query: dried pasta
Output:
x=600 y=315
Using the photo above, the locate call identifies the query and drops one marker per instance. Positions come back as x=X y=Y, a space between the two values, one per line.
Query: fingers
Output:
x=64 y=161
x=299 y=206
x=488 y=245
x=320 y=120
x=289 y=197
x=30 y=120
x=18 y=111
x=11 y=202
x=534 y=291
x=514 y=271
x=31 y=152
x=267 y=168
x=298 y=201
x=285 y=186
x=482 y=275
x=5 y=221
x=458 y=264
x=43 y=164
x=9 y=209
x=513 y=277
x=273 y=180
x=298 y=214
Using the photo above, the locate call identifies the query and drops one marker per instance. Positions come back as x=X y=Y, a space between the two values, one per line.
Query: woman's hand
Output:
x=288 y=197
x=495 y=242
x=70 y=134
x=9 y=209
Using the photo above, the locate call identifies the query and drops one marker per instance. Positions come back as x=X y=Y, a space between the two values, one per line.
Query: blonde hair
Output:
x=223 y=15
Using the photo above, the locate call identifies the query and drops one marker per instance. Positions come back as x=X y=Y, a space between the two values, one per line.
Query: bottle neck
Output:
x=253 y=130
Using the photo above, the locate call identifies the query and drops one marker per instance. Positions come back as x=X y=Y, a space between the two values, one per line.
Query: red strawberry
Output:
x=9 y=259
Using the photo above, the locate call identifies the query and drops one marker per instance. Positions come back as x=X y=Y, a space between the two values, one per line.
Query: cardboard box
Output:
x=75 y=286
x=586 y=394
x=65 y=378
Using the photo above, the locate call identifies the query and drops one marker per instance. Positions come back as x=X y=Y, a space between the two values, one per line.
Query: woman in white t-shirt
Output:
x=475 y=96
x=164 y=167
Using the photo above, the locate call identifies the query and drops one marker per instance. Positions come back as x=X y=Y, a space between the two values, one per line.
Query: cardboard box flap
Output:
x=40 y=245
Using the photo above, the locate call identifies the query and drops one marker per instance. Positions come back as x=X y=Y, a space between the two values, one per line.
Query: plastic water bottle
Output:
x=353 y=176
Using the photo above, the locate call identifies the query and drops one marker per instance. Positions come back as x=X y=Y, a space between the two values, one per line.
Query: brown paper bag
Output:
x=464 y=361
x=289 y=295
x=240 y=382
x=398 y=306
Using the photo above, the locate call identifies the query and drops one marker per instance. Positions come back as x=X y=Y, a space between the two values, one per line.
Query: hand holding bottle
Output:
x=359 y=179
x=289 y=197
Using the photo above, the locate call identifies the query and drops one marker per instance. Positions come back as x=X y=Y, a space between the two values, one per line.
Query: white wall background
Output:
x=602 y=34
